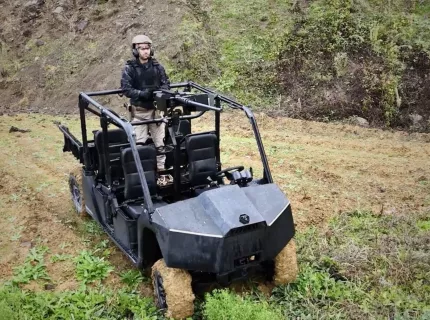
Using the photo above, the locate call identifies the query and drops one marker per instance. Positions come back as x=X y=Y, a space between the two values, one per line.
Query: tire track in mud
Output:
x=43 y=208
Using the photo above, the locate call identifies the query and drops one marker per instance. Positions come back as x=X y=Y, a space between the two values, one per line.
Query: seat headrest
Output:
x=114 y=136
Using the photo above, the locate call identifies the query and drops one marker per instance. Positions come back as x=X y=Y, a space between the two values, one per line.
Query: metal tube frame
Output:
x=86 y=102
x=267 y=175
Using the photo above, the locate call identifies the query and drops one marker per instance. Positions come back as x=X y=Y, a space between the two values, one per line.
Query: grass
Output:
x=132 y=278
x=221 y=53
x=91 y=268
x=81 y=304
x=222 y=304
x=362 y=266
x=33 y=268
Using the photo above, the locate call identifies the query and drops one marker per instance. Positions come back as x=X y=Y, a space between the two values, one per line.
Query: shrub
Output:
x=345 y=58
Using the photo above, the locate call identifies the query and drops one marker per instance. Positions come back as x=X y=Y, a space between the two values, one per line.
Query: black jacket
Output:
x=139 y=80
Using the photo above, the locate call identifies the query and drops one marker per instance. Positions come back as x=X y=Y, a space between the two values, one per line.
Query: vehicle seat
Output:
x=182 y=129
x=201 y=152
x=115 y=137
x=134 y=210
x=133 y=189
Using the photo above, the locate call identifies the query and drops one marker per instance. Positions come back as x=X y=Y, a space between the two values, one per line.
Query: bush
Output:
x=349 y=58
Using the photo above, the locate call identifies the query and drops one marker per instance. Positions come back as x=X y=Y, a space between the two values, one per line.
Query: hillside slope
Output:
x=320 y=59
x=51 y=50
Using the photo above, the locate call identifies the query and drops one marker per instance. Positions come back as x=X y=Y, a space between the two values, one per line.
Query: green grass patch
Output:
x=91 y=268
x=424 y=225
x=364 y=266
x=132 y=278
x=33 y=268
x=222 y=305
x=381 y=262
x=81 y=304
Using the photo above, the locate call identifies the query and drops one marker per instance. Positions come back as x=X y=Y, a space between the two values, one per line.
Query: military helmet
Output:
x=141 y=38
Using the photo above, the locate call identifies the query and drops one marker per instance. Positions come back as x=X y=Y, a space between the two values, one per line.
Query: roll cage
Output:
x=107 y=116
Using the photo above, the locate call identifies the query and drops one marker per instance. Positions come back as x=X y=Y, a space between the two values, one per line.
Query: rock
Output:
x=82 y=25
x=39 y=43
x=358 y=121
x=49 y=286
x=15 y=129
x=3 y=72
x=389 y=211
x=26 y=244
x=63 y=4
x=416 y=119
x=31 y=10
x=34 y=4
x=26 y=33
x=58 y=10
x=422 y=178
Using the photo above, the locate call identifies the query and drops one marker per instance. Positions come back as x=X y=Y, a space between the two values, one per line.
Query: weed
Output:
x=64 y=245
x=33 y=268
x=17 y=234
x=81 y=304
x=90 y=268
x=93 y=228
x=102 y=244
x=14 y=197
x=132 y=278
x=102 y=247
x=424 y=225
x=60 y=257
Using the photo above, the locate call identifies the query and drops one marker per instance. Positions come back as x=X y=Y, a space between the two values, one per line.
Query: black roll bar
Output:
x=159 y=120
x=235 y=105
x=84 y=100
x=109 y=116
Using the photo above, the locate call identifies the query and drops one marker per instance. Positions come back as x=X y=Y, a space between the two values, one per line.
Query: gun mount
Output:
x=166 y=100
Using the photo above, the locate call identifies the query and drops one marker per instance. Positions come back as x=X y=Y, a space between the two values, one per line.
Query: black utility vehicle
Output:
x=207 y=224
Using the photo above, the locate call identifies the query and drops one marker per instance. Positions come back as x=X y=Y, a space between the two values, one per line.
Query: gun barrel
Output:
x=191 y=103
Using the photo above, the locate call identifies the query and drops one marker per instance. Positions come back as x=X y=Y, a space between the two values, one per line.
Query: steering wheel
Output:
x=229 y=170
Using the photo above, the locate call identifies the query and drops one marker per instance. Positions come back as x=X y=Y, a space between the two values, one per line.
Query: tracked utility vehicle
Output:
x=207 y=224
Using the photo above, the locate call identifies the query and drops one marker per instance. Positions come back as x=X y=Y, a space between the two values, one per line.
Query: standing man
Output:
x=140 y=78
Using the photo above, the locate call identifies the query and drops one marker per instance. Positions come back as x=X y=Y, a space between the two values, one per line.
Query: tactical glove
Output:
x=146 y=94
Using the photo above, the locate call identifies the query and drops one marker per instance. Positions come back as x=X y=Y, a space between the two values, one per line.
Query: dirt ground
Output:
x=323 y=168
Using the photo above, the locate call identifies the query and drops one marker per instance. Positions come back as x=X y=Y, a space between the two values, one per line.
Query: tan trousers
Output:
x=156 y=130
